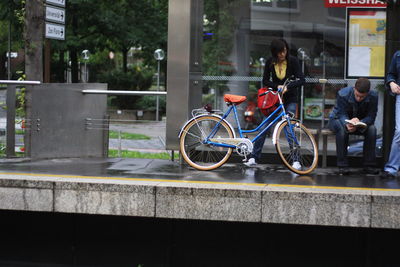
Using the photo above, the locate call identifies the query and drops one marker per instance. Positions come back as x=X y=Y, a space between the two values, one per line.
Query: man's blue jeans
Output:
x=393 y=164
x=342 y=142
x=259 y=144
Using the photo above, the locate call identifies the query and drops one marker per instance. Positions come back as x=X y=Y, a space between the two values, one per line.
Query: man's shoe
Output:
x=251 y=162
x=344 y=171
x=370 y=170
x=387 y=175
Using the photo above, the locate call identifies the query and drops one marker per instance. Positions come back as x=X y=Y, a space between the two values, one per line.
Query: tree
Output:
x=11 y=18
x=114 y=25
x=34 y=24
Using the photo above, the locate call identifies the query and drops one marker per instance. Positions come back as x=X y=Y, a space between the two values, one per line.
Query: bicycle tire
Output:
x=203 y=156
x=305 y=152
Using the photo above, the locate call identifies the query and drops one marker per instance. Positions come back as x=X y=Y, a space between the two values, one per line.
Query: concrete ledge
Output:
x=26 y=199
x=107 y=199
x=202 y=201
x=316 y=207
x=208 y=202
x=385 y=209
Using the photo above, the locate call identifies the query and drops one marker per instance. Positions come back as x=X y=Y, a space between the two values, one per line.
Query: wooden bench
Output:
x=324 y=133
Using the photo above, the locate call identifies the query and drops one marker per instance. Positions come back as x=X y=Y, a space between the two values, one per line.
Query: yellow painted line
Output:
x=129 y=179
x=196 y=182
x=332 y=187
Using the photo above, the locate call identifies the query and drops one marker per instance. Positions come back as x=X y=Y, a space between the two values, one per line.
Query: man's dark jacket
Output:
x=347 y=107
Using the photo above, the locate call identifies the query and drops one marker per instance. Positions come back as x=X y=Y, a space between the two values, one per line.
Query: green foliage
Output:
x=136 y=79
x=148 y=102
x=11 y=12
x=129 y=136
x=99 y=26
x=20 y=98
x=216 y=51
x=135 y=154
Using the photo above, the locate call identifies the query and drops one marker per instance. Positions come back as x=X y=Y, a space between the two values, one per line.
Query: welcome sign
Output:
x=354 y=3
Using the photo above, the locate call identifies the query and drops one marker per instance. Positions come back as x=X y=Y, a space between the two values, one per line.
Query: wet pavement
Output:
x=169 y=170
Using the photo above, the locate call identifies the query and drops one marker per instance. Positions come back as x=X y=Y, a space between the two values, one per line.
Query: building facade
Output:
x=335 y=40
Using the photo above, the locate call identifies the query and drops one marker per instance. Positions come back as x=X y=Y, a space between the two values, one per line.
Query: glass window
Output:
x=237 y=37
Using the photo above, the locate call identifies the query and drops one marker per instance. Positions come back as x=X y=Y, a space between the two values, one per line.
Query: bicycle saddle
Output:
x=234 y=99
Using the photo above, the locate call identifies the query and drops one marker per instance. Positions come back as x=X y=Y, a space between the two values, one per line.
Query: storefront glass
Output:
x=237 y=37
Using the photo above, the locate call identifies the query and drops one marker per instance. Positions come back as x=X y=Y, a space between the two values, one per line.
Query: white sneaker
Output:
x=296 y=165
x=251 y=162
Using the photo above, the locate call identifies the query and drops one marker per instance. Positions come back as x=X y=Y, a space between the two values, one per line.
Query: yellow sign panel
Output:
x=366 y=44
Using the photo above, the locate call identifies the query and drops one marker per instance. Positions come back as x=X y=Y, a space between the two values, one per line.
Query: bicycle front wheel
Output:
x=195 y=152
x=296 y=147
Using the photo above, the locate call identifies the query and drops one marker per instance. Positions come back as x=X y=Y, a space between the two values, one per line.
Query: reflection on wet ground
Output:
x=168 y=170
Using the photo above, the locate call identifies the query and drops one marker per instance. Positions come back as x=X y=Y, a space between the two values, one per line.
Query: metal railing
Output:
x=116 y=92
x=99 y=124
x=10 y=104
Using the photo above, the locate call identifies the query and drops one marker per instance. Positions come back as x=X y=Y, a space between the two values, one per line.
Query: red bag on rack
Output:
x=267 y=103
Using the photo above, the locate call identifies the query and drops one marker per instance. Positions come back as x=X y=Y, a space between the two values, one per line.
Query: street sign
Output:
x=55 y=14
x=56 y=2
x=13 y=54
x=55 y=31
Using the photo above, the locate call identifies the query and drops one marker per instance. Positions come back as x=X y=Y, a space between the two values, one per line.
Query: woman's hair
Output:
x=277 y=46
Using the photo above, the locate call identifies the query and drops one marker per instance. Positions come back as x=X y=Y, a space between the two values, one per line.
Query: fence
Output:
x=10 y=104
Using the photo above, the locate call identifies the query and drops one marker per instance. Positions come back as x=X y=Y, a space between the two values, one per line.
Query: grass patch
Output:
x=129 y=136
x=113 y=153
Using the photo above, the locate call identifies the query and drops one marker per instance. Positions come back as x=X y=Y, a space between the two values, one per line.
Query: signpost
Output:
x=55 y=31
x=55 y=14
x=60 y=3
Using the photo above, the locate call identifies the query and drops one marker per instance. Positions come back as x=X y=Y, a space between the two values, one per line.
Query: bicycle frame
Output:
x=270 y=120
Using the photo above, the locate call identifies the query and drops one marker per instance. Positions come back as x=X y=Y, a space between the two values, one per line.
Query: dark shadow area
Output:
x=48 y=239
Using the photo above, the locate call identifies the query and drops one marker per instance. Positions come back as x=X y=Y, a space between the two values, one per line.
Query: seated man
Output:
x=355 y=105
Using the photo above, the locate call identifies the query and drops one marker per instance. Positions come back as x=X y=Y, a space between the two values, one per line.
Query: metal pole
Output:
x=158 y=89
x=85 y=72
x=19 y=82
x=119 y=143
x=302 y=91
x=9 y=50
x=10 y=135
x=323 y=92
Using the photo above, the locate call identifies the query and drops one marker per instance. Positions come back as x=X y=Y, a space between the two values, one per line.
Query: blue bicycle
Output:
x=207 y=140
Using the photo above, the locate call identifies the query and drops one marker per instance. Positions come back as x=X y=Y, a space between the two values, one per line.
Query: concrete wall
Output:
x=57 y=126
x=200 y=201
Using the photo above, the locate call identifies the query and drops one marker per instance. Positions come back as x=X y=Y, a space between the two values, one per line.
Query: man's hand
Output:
x=350 y=127
x=395 y=88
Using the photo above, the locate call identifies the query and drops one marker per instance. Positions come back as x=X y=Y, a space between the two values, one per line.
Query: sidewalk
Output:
x=155 y=130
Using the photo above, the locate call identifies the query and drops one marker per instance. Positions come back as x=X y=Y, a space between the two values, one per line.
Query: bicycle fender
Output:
x=202 y=115
x=276 y=131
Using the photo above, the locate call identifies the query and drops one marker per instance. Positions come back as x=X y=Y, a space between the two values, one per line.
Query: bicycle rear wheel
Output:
x=195 y=152
x=296 y=147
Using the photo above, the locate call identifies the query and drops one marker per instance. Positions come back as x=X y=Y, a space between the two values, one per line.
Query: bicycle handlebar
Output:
x=286 y=83
x=270 y=90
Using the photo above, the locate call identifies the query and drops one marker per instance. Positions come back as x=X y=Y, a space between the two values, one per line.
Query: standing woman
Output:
x=278 y=68
x=393 y=83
